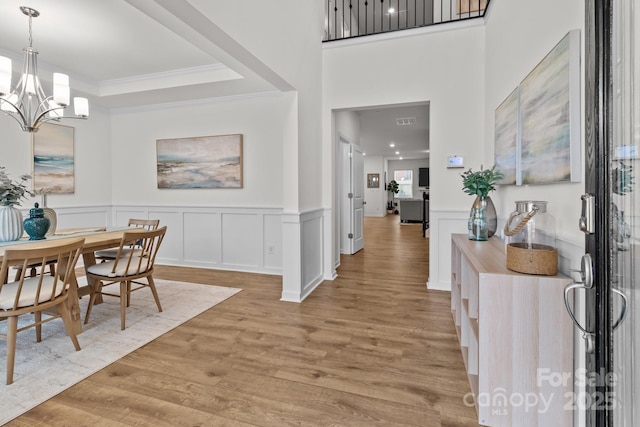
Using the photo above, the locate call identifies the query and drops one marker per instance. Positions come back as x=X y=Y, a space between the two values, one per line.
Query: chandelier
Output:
x=27 y=102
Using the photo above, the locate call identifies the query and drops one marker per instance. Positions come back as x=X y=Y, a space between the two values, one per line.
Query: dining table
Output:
x=95 y=239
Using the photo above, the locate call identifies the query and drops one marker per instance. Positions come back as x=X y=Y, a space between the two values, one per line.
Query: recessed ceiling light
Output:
x=400 y=158
x=364 y=154
x=397 y=152
x=392 y=145
x=391 y=10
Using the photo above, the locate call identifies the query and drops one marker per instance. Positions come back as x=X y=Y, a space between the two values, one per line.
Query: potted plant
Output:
x=483 y=220
x=394 y=189
x=11 y=193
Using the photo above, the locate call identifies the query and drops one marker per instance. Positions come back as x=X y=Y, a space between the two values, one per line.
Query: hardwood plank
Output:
x=374 y=347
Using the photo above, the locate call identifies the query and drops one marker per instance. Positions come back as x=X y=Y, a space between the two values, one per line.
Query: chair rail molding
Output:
x=247 y=239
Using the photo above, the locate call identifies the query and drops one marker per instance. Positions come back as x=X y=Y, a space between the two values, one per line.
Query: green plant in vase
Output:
x=394 y=188
x=483 y=220
x=11 y=193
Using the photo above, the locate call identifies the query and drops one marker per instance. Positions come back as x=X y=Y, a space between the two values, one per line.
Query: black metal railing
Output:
x=355 y=18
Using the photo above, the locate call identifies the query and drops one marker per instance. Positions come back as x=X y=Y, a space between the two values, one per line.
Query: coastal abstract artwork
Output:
x=53 y=163
x=507 y=147
x=200 y=162
x=550 y=116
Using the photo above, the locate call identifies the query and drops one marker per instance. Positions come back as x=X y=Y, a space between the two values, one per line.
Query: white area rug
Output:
x=44 y=369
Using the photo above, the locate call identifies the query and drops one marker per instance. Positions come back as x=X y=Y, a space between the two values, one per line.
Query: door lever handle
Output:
x=623 y=311
x=567 y=304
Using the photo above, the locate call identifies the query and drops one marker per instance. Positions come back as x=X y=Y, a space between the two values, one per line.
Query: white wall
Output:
x=441 y=66
x=260 y=121
x=286 y=39
x=92 y=156
x=509 y=60
x=376 y=198
x=236 y=229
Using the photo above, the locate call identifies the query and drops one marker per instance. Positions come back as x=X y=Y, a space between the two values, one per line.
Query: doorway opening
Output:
x=390 y=138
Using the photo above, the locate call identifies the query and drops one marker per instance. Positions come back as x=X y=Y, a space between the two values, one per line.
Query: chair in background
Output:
x=146 y=224
x=38 y=293
x=134 y=261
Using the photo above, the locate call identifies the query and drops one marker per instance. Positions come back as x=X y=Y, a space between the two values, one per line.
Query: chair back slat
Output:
x=43 y=288
x=142 y=258
x=147 y=224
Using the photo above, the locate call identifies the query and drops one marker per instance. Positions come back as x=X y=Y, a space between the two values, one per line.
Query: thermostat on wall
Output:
x=455 y=162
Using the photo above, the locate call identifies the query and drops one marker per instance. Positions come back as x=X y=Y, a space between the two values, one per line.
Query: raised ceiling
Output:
x=124 y=53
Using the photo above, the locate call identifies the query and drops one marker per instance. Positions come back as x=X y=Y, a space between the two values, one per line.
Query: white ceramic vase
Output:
x=10 y=223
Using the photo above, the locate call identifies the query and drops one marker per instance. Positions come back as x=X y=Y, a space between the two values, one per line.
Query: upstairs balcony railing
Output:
x=346 y=19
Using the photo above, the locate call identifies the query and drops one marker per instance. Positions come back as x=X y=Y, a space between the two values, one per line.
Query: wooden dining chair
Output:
x=146 y=224
x=128 y=269
x=37 y=294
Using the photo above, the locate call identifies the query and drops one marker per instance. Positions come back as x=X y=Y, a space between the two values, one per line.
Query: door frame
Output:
x=598 y=115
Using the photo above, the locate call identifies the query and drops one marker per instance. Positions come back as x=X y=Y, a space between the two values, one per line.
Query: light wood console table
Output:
x=515 y=337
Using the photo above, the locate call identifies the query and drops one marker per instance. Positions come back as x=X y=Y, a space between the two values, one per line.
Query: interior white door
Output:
x=357 y=198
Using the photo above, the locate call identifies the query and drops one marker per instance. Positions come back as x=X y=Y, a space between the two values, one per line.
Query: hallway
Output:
x=372 y=348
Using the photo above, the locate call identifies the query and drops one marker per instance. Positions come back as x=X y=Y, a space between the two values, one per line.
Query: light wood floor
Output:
x=372 y=348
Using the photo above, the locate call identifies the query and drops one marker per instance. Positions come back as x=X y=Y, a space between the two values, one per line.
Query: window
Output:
x=404 y=178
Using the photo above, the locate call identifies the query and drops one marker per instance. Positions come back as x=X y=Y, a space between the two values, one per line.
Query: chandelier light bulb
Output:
x=27 y=103
x=81 y=107
x=61 y=89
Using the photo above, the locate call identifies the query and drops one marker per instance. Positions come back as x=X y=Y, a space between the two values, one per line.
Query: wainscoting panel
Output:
x=203 y=232
x=312 y=255
x=272 y=252
x=241 y=240
x=441 y=225
x=172 y=249
x=302 y=260
x=122 y=217
x=94 y=216
x=444 y=223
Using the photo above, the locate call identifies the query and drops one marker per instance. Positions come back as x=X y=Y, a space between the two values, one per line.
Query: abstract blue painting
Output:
x=53 y=162
x=200 y=162
x=550 y=116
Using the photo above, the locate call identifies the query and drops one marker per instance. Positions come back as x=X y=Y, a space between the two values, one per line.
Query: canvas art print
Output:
x=200 y=162
x=53 y=163
x=550 y=116
x=507 y=149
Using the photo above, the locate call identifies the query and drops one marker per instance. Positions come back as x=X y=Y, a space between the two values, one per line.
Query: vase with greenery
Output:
x=394 y=188
x=483 y=219
x=11 y=193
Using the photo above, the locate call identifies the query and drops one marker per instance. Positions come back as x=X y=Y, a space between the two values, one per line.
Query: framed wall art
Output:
x=550 y=116
x=537 y=127
x=200 y=162
x=53 y=159
x=373 y=180
x=507 y=147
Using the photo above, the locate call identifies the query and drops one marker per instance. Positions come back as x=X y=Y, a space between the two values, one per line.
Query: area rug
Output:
x=44 y=369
